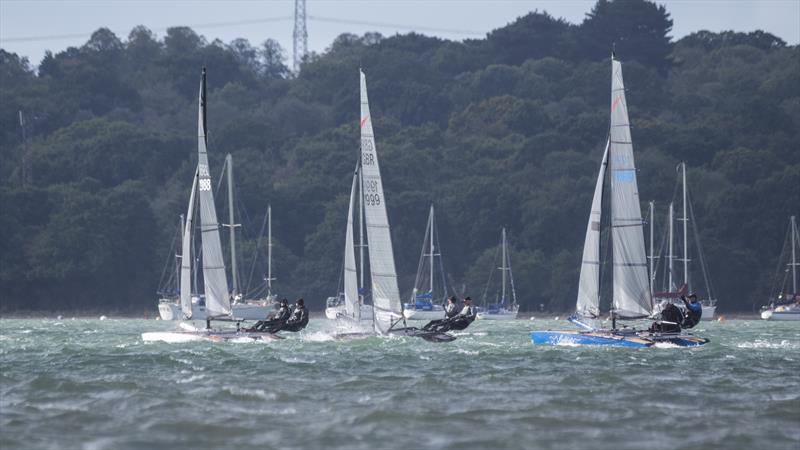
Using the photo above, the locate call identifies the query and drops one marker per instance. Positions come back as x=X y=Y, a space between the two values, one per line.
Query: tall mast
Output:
x=652 y=255
x=431 y=250
x=269 y=251
x=794 y=256
x=685 y=220
x=671 y=256
x=179 y=256
x=231 y=224
x=503 y=269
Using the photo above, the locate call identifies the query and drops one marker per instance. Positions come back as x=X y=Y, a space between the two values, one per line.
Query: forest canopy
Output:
x=504 y=131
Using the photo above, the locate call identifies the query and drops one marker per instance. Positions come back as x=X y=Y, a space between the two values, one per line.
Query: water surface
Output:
x=95 y=384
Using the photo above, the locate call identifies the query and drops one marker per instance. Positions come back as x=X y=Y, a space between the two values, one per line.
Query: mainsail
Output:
x=186 y=256
x=631 y=287
x=589 y=284
x=385 y=293
x=218 y=301
x=352 y=307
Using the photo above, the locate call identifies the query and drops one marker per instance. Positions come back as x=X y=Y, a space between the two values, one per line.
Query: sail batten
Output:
x=631 y=288
x=385 y=292
x=215 y=280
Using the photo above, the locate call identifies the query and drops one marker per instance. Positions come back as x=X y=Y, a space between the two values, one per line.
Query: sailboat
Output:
x=786 y=305
x=247 y=309
x=217 y=297
x=422 y=306
x=349 y=305
x=631 y=287
x=387 y=309
x=504 y=308
x=675 y=289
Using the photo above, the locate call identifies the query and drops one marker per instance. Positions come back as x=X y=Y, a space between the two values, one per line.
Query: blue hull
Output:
x=615 y=339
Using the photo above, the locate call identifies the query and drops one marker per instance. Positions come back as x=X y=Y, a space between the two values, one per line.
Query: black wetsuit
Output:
x=298 y=321
x=458 y=322
x=450 y=311
x=670 y=313
x=694 y=311
x=276 y=320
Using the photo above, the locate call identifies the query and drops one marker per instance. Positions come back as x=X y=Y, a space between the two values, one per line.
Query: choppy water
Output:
x=95 y=384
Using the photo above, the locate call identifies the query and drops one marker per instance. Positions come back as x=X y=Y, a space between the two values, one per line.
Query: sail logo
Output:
x=615 y=103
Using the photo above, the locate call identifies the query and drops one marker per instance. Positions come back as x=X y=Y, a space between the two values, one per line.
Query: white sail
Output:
x=352 y=307
x=218 y=301
x=589 y=285
x=385 y=293
x=631 y=287
x=186 y=256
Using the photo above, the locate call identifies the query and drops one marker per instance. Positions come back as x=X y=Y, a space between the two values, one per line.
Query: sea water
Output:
x=94 y=384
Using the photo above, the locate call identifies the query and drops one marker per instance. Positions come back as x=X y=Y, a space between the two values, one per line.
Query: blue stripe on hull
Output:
x=577 y=338
x=606 y=338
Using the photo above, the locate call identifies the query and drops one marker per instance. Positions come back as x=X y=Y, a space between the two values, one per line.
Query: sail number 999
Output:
x=372 y=199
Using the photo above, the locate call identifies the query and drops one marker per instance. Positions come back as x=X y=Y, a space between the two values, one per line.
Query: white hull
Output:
x=418 y=314
x=177 y=337
x=785 y=315
x=246 y=311
x=500 y=315
x=333 y=312
x=708 y=312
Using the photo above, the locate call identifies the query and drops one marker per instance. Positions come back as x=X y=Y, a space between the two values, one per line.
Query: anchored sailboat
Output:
x=503 y=308
x=676 y=288
x=631 y=286
x=423 y=305
x=217 y=297
x=786 y=304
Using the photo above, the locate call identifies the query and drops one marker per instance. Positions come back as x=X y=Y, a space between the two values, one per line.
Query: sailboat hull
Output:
x=177 y=337
x=614 y=339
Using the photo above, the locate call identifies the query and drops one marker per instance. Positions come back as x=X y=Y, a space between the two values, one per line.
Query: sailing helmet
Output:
x=301 y=302
x=284 y=302
x=693 y=297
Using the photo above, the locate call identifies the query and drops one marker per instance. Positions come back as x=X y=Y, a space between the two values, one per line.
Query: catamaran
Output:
x=503 y=308
x=786 y=305
x=422 y=305
x=676 y=288
x=387 y=309
x=169 y=308
x=631 y=288
x=217 y=297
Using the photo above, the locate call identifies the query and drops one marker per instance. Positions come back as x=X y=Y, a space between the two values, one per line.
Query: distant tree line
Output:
x=502 y=131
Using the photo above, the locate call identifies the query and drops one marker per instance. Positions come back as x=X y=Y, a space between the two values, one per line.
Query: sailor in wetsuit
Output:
x=694 y=311
x=273 y=320
x=670 y=320
x=299 y=318
x=460 y=321
x=450 y=311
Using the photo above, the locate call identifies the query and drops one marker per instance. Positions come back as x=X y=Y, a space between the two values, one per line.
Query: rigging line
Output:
x=484 y=300
x=786 y=243
x=395 y=25
x=55 y=37
x=256 y=252
x=703 y=267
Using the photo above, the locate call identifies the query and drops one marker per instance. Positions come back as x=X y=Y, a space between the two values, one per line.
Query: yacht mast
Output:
x=794 y=256
x=179 y=256
x=652 y=255
x=431 y=251
x=671 y=256
x=685 y=220
x=361 y=238
x=269 y=252
x=503 y=269
x=232 y=225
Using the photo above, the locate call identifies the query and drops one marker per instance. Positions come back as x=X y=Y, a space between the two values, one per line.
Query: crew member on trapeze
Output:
x=450 y=311
x=273 y=320
x=458 y=322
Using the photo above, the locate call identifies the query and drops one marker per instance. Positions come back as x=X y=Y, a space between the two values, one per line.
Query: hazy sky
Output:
x=29 y=27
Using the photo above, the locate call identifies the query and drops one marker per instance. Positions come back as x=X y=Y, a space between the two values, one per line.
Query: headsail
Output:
x=589 y=285
x=186 y=255
x=385 y=293
x=352 y=307
x=218 y=301
x=631 y=286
